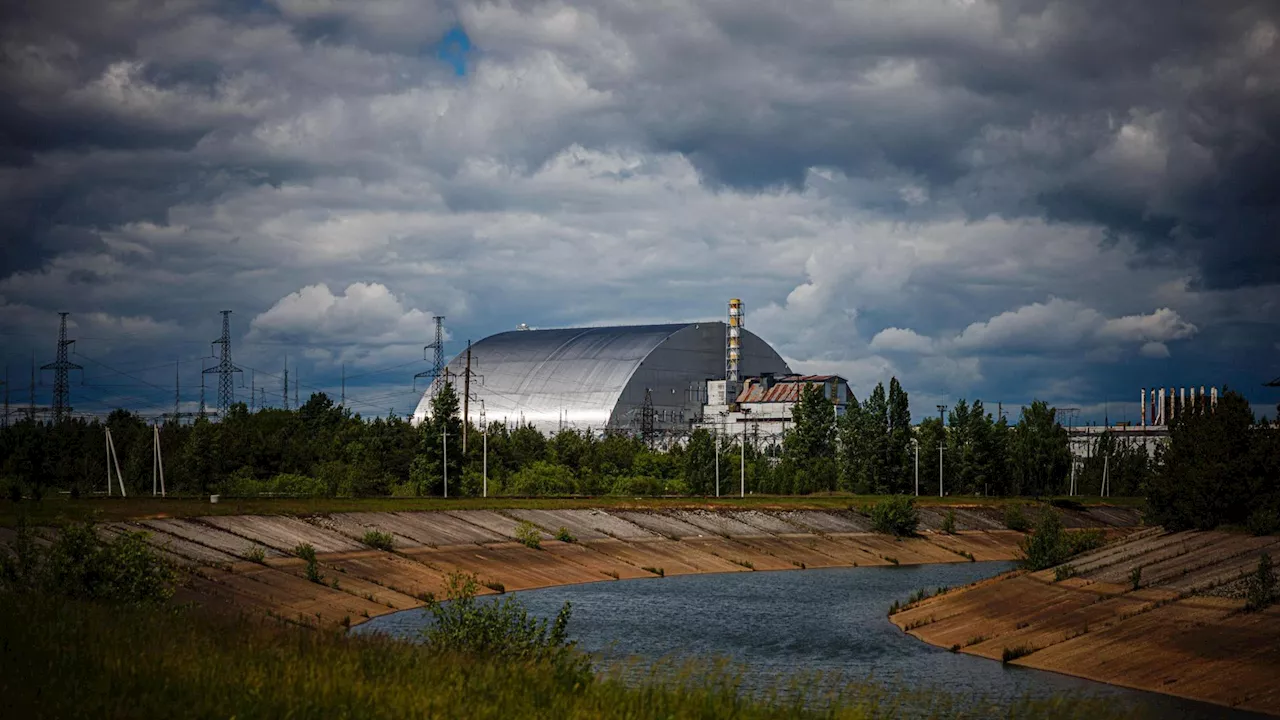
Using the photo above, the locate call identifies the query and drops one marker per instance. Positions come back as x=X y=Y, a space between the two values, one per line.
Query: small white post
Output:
x=717 y=437
x=743 y=455
x=160 y=459
x=1106 y=479
x=916 y=442
x=939 y=470
x=106 y=441
x=485 y=464
x=115 y=458
x=444 y=443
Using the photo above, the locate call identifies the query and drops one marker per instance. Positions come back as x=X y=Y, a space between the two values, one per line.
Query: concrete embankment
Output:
x=1182 y=631
x=249 y=562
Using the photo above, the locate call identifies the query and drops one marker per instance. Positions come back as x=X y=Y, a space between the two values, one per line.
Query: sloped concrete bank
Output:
x=249 y=561
x=1182 y=630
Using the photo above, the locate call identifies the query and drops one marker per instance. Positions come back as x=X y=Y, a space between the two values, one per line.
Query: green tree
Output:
x=1039 y=456
x=440 y=437
x=700 y=463
x=809 y=447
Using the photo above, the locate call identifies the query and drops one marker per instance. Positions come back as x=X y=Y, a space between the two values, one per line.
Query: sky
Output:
x=1007 y=200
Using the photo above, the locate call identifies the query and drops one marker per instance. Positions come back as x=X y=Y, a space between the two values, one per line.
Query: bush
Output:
x=256 y=554
x=1135 y=577
x=638 y=486
x=895 y=516
x=540 y=478
x=1015 y=519
x=1260 y=591
x=1062 y=572
x=501 y=630
x=379 y=540
x=81 y=565
x=949 y=522
x=1264 y=521
x=1082 y=541
x=312 y=570
x=563 y=535
x=1013 y=653
x=1045 y=547
x=528 y=534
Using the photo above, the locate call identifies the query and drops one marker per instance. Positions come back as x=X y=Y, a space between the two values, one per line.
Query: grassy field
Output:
x=65 y=659
x=56 y=510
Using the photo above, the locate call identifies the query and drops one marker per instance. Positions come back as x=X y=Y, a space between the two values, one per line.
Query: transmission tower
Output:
x=437 y=364
x=646 y=418
x=225 y=369
x=61 y=368
x=284 y=393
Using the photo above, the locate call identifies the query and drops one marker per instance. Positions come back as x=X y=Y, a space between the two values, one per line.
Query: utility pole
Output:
x=717 y=436
x=157 y=461
x=484 y=467
x=225 y=368
x=1106 y=479
x=466 y=399
x=744 y=453
x=444 y=443
x=343 y=403
x=296 y=405
x=253 y=390
x=941 y=442
x=202 y=372
x=61 y=368
x=285 y=392
x=646 y=419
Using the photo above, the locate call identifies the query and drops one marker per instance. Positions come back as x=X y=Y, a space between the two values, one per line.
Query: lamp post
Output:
x=484 y=463
x=444 y=443
x=942 y=440
x=743 y=454
x=916 y=444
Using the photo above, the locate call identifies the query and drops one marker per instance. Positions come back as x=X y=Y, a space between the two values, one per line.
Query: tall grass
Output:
x=72 y=659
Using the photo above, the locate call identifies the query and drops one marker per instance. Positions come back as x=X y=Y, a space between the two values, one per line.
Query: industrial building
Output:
x=642 y=379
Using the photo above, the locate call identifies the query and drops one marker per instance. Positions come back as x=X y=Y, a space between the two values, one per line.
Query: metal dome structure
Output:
x=597 y=378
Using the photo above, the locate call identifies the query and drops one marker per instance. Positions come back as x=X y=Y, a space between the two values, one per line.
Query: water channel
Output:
x=778 y=623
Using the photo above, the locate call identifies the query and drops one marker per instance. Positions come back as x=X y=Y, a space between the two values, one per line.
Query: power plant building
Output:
x=607 y=378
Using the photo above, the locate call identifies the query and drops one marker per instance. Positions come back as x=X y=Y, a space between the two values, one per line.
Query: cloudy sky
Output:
x=998 y=200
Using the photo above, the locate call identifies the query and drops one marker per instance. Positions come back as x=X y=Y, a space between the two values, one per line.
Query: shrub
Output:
x=312 y=570
x=528 y=534
x=79 y=564
x=1013 y=653
x=1260 y=591
x=1135 y=577
x=256 y=554
x=1264 y=521
x=1046 y=546
x=379 y=540
x=895 y=516
x=655 y=570
x=495 y=586
x=540 y=478
x=501 y=630
x=1082 y=541
x=1062 y=572
x=563 y=535
x=949 y=522
x=1015 y=519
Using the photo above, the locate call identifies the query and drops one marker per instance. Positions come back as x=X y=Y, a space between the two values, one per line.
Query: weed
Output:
x=379 y=540
x=345 y=621
x=798 y=564
x=527 y=533
x=312 y=570
x=334 y=584
x=744 y=563
x=1022 y=625
x=495 y=586
x=890 y=559
x=894 y=608
x=949 y=522
x=1013 y=653
x=1264 y=521
x=1260 y=590
x=256 y=554
x=655 y=570
x=79 y=564
x=563 y=535
x=611 y=573
x=1015 y=519
x=955 y=648
x=1135 y=577
x=918 y=623
x=974 y=640
x=895 y=516
x=364 y=614
x=1062 y=572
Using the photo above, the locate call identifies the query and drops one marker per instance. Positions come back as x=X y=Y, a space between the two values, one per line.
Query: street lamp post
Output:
x=916 y=443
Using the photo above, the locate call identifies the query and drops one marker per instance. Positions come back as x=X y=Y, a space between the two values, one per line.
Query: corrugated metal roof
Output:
x=785 y=389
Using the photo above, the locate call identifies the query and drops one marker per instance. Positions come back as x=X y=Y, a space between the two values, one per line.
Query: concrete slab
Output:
x=283 y=533
x=724 y=524
x=552 y=520
x=208 y=536
x=494 y=522
x=660 y=523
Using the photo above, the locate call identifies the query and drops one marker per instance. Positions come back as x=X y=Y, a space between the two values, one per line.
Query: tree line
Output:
x=322 y=449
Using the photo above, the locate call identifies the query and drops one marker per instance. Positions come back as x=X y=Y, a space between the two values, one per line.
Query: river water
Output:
x=775 y=624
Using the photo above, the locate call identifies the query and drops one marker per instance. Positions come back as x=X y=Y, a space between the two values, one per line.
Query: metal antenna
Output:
x=285 y=392
x=646 y=418
x=437 y=364
x=60 y=368
x=225 y=369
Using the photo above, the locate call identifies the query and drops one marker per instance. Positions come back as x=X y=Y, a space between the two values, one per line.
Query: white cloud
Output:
x=901 y=340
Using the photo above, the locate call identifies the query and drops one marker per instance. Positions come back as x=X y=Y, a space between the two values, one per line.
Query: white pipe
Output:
x=1144 y=407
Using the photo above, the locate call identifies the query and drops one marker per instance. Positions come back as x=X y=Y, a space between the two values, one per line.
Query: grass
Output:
x=528 y=534
x=563 y=535
x=57 y=509
x=379 y=540
x=1013 y=653
x=655 y=570
x=495 y=586
x=257 y=554
x=144 y=663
